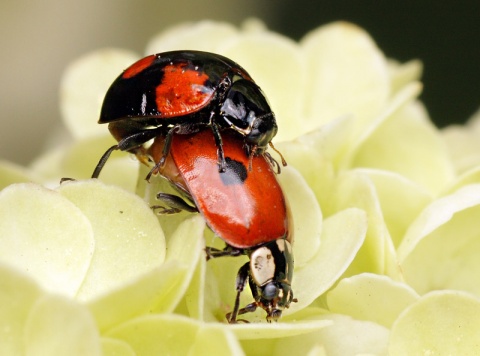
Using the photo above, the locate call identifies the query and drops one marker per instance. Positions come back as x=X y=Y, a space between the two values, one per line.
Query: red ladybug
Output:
x=180 y=92
x=245 y=207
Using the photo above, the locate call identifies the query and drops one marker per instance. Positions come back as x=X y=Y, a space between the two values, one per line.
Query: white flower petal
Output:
x=201 y=36
x=18 y=295
x=440 y=323
x=342 y=236
x=347 y=74
x=128 y=239
x=345 y=336
x=306 y=216
x=84 y=85
x=440 y=249
x=59 y=326
x=371 y=297
x=46 y=236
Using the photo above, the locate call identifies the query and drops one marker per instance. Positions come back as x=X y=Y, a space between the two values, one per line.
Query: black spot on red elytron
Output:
x=235 y=172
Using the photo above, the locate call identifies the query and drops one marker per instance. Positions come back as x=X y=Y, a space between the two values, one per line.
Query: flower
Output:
x=385 y=207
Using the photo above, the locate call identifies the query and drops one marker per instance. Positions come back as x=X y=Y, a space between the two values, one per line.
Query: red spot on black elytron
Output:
x=138 y=66
x=182 y=90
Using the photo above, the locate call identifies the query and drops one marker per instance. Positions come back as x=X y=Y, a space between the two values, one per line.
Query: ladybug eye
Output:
x=244 y=103
x=270 y=291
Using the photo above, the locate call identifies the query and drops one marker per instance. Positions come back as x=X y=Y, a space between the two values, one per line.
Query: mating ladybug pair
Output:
x=211 y=125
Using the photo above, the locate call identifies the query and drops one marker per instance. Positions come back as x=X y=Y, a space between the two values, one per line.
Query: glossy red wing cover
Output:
x=244 y=207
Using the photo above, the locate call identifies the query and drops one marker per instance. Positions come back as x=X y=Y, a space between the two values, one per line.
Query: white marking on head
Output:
x=262 y=265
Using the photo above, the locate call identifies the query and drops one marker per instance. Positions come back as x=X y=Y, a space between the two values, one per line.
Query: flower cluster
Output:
x=385 y=206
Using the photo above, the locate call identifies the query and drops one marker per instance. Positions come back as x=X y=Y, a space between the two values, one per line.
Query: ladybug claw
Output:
x=162 y=210
x=156 y=169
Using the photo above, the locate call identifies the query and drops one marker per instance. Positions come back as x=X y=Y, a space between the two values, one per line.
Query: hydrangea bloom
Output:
x=385 y=208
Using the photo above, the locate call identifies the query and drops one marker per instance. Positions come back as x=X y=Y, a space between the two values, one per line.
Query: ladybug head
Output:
x=271 y=270
x=246 y=110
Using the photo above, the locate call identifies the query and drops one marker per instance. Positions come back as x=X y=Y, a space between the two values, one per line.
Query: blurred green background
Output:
x=39 y=38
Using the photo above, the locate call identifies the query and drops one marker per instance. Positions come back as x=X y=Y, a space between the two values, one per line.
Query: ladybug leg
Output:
x=174 y=203
x=102 y=161
x=166 y=146
x=213 y=252
x=132 y=144
x=222 y=164
x=241 y=282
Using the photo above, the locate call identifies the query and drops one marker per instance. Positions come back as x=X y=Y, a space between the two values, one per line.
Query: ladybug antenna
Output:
x=250 y=158
x=273 y=162
x=284 y=163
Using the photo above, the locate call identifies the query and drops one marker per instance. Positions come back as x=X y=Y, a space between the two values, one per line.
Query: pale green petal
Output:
x=440 y=250
x=17 y=296
x=82 y=157
x=275 y=63
x=306 y=215
x=185 y=248
x=11 y=173
x=202 y=36
x=463 y=146
x=371 y=297
x=159 y=290
x=317 y=170
x=377 y=255
x=175 y=335
x=440 y=323
x=195 y=297
x=405 y=143
x=46 y=236
x=471 y=176
x=78 y=161
x=128 y=237
x=140 y=296
x=215 y=340
x=362 y=133
x=403 y=73
x=342 y=236
x=48 y=166
x=84 y=85
x=463 y=143
x=255 y=331
x=345 y=336
x=59 y=326
x=401 y=200
x=348 y=74
x=116 y=347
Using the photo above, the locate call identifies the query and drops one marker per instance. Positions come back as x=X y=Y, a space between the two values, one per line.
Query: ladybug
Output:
x=181 y=92
x=244 y=207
